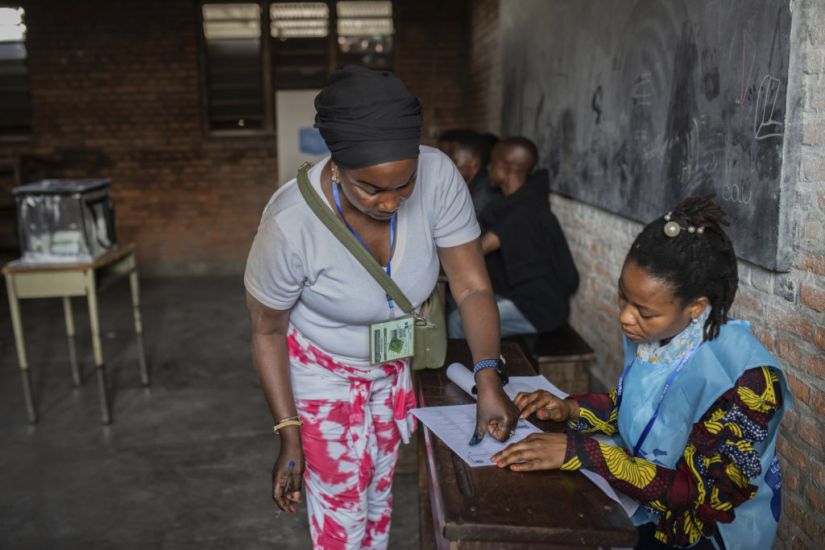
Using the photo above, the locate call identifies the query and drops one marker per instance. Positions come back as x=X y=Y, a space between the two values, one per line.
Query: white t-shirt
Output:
x=297 y=263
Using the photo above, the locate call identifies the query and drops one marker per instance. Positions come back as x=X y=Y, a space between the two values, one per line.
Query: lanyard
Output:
x=337 y=198
x=668 y=383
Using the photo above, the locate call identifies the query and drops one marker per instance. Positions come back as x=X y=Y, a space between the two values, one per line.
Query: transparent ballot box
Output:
x=65 y=220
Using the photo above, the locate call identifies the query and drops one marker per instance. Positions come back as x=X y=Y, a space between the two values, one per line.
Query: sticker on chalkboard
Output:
x=310 y=142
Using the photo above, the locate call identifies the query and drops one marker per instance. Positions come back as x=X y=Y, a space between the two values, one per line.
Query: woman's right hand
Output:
x=546 y=406
x=290 y=453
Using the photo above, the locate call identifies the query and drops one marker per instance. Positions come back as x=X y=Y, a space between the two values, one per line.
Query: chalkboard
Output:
x=638 y=104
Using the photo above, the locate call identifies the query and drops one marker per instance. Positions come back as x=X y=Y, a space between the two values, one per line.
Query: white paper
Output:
x=455 y=424
x=463 y=378
x=529 y=384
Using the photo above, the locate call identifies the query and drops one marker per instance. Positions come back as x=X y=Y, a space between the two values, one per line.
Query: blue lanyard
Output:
x=337 y=198
x=668 y=384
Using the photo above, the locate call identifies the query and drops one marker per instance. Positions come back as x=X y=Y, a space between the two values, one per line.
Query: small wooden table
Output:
x=474 y=508
x=25 y=280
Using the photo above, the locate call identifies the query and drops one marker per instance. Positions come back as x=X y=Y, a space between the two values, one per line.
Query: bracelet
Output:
x=288 y=421
x=485 y=364
x=497 y=364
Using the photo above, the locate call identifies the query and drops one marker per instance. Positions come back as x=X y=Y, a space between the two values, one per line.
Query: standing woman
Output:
x=340 y=420
x=697 y=408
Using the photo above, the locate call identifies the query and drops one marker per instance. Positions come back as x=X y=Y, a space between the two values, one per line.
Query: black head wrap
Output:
x=368 y=117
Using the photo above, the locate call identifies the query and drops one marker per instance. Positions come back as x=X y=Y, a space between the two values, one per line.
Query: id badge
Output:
x=392 y=340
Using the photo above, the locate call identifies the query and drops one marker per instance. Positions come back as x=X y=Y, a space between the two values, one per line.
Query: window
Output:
x=234 y=84
x=243 y=64
x=300 y=44
x=15 y=98
x=365 y=31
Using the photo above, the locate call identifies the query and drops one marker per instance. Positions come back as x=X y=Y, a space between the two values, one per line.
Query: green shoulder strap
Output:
x=337 y=227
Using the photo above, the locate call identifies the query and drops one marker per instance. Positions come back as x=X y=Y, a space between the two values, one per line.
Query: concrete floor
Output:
x=186 y=463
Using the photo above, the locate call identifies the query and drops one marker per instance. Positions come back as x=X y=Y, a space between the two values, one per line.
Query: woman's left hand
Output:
x=535 y=452
x=496 y=414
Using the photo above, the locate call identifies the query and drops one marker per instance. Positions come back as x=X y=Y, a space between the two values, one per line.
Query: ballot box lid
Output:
x=61 y=186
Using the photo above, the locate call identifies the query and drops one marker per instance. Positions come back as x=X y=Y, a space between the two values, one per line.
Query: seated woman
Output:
x=697 y=407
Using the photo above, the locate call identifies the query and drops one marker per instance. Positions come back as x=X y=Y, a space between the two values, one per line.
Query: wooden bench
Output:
x=487 y=508
x=562 y=356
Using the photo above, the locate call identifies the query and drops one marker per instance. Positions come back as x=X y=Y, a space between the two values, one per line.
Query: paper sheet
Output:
x=463 y=377
x=454 y=425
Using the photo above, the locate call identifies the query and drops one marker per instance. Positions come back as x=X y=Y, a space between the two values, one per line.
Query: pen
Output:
x=291 y=469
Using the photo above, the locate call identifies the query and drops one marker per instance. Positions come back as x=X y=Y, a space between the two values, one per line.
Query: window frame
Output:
x=268 y=86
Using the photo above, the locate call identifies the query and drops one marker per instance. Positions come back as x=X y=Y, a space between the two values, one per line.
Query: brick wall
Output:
x=116 y=94
x=484 y=94
x=432 y=60
x=787 y=310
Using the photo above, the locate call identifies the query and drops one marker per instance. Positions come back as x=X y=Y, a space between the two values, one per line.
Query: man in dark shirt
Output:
x=469 y=151
x=527 y=256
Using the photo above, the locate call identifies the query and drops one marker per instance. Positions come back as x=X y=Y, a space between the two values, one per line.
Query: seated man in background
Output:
x=469 y=151
x=527 y=256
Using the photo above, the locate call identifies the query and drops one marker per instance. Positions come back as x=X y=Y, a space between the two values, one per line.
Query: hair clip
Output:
x=672 y=228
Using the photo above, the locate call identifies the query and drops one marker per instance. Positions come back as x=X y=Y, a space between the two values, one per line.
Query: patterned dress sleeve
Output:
x=597 y=413
x=713 y=475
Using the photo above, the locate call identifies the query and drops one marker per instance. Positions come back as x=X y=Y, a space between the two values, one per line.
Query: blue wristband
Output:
x=497 y=364
x=485 y=364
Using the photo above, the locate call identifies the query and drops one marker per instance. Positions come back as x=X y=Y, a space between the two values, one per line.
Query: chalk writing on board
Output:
x=732 y=192
x=764 y=124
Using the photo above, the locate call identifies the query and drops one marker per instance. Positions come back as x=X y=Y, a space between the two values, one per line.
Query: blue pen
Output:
x=291 y=470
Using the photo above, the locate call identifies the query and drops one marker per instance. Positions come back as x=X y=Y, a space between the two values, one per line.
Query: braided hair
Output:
x=694 y=262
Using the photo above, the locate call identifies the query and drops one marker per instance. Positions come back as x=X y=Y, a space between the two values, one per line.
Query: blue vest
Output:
x=713 y=370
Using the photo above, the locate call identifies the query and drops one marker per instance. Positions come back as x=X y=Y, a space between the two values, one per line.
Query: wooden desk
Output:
x=475 y=508
x=26 y=281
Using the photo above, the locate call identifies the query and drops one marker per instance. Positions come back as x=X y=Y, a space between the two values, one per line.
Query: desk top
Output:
x=488 y=504
x=120 y=251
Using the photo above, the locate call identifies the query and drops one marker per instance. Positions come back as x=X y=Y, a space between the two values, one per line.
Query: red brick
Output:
x=766 y=337
x=799 y=327
x=809 y=432
x=812 y=297
x=820 y=337
x=802 y=517
x=748 y=305
x=815 y=365
x=792 y=453
x=798 y=543
x=790 y=478
x=788 y=350
x=799 y=388
x=818 y=402
x=817 y=472
x=816 y=497
x=811 y=262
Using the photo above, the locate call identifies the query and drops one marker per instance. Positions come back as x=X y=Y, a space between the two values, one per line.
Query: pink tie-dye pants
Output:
x=355 y=416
